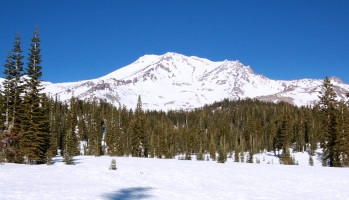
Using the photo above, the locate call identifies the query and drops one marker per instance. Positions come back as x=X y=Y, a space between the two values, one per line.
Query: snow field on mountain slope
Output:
x=147 y=178
x=174 y=81
x=132 y=68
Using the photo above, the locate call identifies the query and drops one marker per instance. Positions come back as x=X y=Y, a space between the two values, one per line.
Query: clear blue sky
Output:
x=85 y=39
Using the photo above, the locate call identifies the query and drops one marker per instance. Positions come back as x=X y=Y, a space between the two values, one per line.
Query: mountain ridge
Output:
x=175 y=81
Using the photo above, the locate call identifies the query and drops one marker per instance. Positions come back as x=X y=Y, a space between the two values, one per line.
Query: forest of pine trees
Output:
x=36 y=127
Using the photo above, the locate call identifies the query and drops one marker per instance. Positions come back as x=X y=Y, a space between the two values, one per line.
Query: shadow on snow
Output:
x=129 y=193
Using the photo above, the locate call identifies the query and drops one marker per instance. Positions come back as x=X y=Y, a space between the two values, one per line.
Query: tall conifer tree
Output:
x=13 y=89
x=70 y=141
x=139 y=143
x=343 y=134
x=34 y=133
x=328 y=107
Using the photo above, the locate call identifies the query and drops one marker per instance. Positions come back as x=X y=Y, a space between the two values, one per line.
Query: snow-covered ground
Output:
x=151 y=178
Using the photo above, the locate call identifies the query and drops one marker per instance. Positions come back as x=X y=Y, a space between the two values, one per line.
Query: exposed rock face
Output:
x=175 y=81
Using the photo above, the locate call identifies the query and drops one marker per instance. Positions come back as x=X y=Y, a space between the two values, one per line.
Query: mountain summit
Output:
x=175 y=81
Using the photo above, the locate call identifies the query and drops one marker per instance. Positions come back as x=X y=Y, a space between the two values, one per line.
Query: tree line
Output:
x=35 y=127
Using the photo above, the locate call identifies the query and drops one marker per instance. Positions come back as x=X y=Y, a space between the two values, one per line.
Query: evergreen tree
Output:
x=70 y=140
x=285 y=129
x=45 y=127
x=222 y=156
x=187 y=156
x=95 y=129
x=212 y=148
x=236 y=156
x=328 y=107
x=159 y=131
x=12 y=91
x=34 y=142
x=286 y=158
x=200 y=154
x=139 y=143
x=342 y=143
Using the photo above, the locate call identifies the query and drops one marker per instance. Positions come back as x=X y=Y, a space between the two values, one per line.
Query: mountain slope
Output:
x=175 y=81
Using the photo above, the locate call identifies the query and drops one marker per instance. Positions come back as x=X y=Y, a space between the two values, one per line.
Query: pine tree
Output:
x=70 y=139
x=34 y=143
x=236 y=156
x=212 y=148
x=342 y=143
x=286 y=158
x=200 y=154
x=112 y=136
x=328 y=107
x=55 y=114
x=2 y=153
x=159 y=131
x=45 y=127
x=12 y=91
x=139 y=142
x=222 y=156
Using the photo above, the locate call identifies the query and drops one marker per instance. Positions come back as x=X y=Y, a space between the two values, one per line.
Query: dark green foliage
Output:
x=334 y=126
x=139 y=140
x=11 y=103
x=200 y=157
x=114 y=132
x=212 y=148
x=342 y=142
x=49 y=155
x=70 y=141
x=236 y=156
x=286 y=158
x=34 y=123
x=34 y=127
x=222 y=156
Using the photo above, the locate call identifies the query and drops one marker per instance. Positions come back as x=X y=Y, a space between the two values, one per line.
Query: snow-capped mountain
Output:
x=175 y=81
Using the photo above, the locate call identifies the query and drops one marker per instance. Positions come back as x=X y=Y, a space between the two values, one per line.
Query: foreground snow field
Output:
x=147 y=178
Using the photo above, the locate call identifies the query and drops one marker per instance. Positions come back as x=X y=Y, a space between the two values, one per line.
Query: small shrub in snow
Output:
x=311 y=161
x=68 y=159
x=287 y=159
x=222 y=156
x=113 y=165
x=250 y=157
